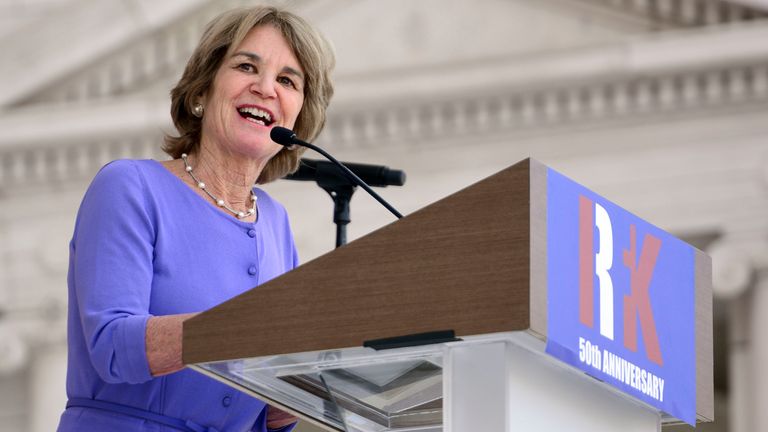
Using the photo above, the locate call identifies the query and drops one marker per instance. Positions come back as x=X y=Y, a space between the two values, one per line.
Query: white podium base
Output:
x=505 y=386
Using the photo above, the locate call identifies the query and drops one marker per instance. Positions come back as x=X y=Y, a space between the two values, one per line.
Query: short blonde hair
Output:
x=221 y=37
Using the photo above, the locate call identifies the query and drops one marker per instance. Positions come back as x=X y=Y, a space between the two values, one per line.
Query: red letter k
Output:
x=638 y=303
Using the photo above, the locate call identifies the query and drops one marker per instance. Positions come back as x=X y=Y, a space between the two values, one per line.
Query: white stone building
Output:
x=658 y=105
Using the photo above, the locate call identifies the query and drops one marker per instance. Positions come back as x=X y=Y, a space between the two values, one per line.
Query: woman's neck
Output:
x=225 y=175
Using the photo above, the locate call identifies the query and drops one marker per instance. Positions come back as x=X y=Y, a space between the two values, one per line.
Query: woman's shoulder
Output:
x=115 y=176
x=126 y=169
x=123 y=181
x=118 y=192
x=128 y=173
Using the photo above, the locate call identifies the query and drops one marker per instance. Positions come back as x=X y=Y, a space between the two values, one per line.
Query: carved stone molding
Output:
x=740 y=261
x=683 y=13
x=632 y=98
x=475 y=114
x=732 y=271
x=57 y=165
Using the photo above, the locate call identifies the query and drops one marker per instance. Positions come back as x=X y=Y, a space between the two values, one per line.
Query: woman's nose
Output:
x=263 y=86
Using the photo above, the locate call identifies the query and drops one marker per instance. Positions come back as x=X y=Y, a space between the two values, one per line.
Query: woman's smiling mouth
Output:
x=256 y=115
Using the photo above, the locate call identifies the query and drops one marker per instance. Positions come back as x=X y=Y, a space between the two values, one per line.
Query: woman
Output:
x=155 y=242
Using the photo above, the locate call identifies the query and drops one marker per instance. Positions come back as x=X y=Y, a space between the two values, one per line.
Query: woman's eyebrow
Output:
x=256 y=59
x=292 y=71
x=252 y=56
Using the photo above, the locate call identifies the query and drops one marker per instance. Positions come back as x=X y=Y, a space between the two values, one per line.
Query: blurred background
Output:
x=659 y=105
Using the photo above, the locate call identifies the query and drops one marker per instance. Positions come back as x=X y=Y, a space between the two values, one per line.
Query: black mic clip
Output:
x=340 y=187
x=332 y=180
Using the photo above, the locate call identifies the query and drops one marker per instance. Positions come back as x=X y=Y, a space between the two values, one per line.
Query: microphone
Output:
x=373 y=175
x=287 y=138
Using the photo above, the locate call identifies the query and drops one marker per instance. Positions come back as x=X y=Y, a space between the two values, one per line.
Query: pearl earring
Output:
x=197 y=110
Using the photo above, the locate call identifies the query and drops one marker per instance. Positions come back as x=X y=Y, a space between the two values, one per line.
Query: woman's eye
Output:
x=246 y=67
x=286 y=82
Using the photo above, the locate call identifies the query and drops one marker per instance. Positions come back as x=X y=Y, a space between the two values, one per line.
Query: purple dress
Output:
x=146 y=244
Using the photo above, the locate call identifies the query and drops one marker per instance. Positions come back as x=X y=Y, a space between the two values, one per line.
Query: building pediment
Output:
x=95 y=49
x=405 y=35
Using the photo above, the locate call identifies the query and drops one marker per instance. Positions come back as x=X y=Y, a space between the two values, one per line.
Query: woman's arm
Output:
x=163 y=341
x=110 y=274
x=278 y=419
x=164 y=337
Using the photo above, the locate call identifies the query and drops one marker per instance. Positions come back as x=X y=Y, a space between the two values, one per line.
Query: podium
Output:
x=522 y=302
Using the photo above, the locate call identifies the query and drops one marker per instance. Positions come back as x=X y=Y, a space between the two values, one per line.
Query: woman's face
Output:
x=259 y=86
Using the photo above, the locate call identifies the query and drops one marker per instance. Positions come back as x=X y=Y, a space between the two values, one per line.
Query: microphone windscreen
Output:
x=394 y=177
x=282 y=136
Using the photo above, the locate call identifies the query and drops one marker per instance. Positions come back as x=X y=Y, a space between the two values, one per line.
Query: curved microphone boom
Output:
x=287 y=137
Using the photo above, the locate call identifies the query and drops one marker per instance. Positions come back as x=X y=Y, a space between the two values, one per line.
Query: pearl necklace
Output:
x=220 y=202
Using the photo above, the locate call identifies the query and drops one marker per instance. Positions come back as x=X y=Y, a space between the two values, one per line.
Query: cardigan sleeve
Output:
x=113 y=248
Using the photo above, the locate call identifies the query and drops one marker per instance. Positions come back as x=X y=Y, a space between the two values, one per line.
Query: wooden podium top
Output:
x=462 y=263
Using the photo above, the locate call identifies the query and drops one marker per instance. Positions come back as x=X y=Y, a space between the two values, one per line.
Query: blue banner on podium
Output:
x=620 y=298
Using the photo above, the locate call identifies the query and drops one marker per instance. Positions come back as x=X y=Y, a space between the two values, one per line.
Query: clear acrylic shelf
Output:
x=399 y=389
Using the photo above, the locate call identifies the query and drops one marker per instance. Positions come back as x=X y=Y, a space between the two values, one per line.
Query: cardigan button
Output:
x=226 y=401
x=252 y=270
x=251 y=233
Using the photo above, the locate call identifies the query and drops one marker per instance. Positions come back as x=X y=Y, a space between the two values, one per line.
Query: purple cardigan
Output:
x=146 y=244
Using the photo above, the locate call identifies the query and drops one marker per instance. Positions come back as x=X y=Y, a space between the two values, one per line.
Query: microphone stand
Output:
x=341 y=194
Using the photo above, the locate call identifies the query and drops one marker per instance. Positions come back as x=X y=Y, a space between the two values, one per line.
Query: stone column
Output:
x=758 y=319
x=740 y=384
x=732 y=278
x=47 y=387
